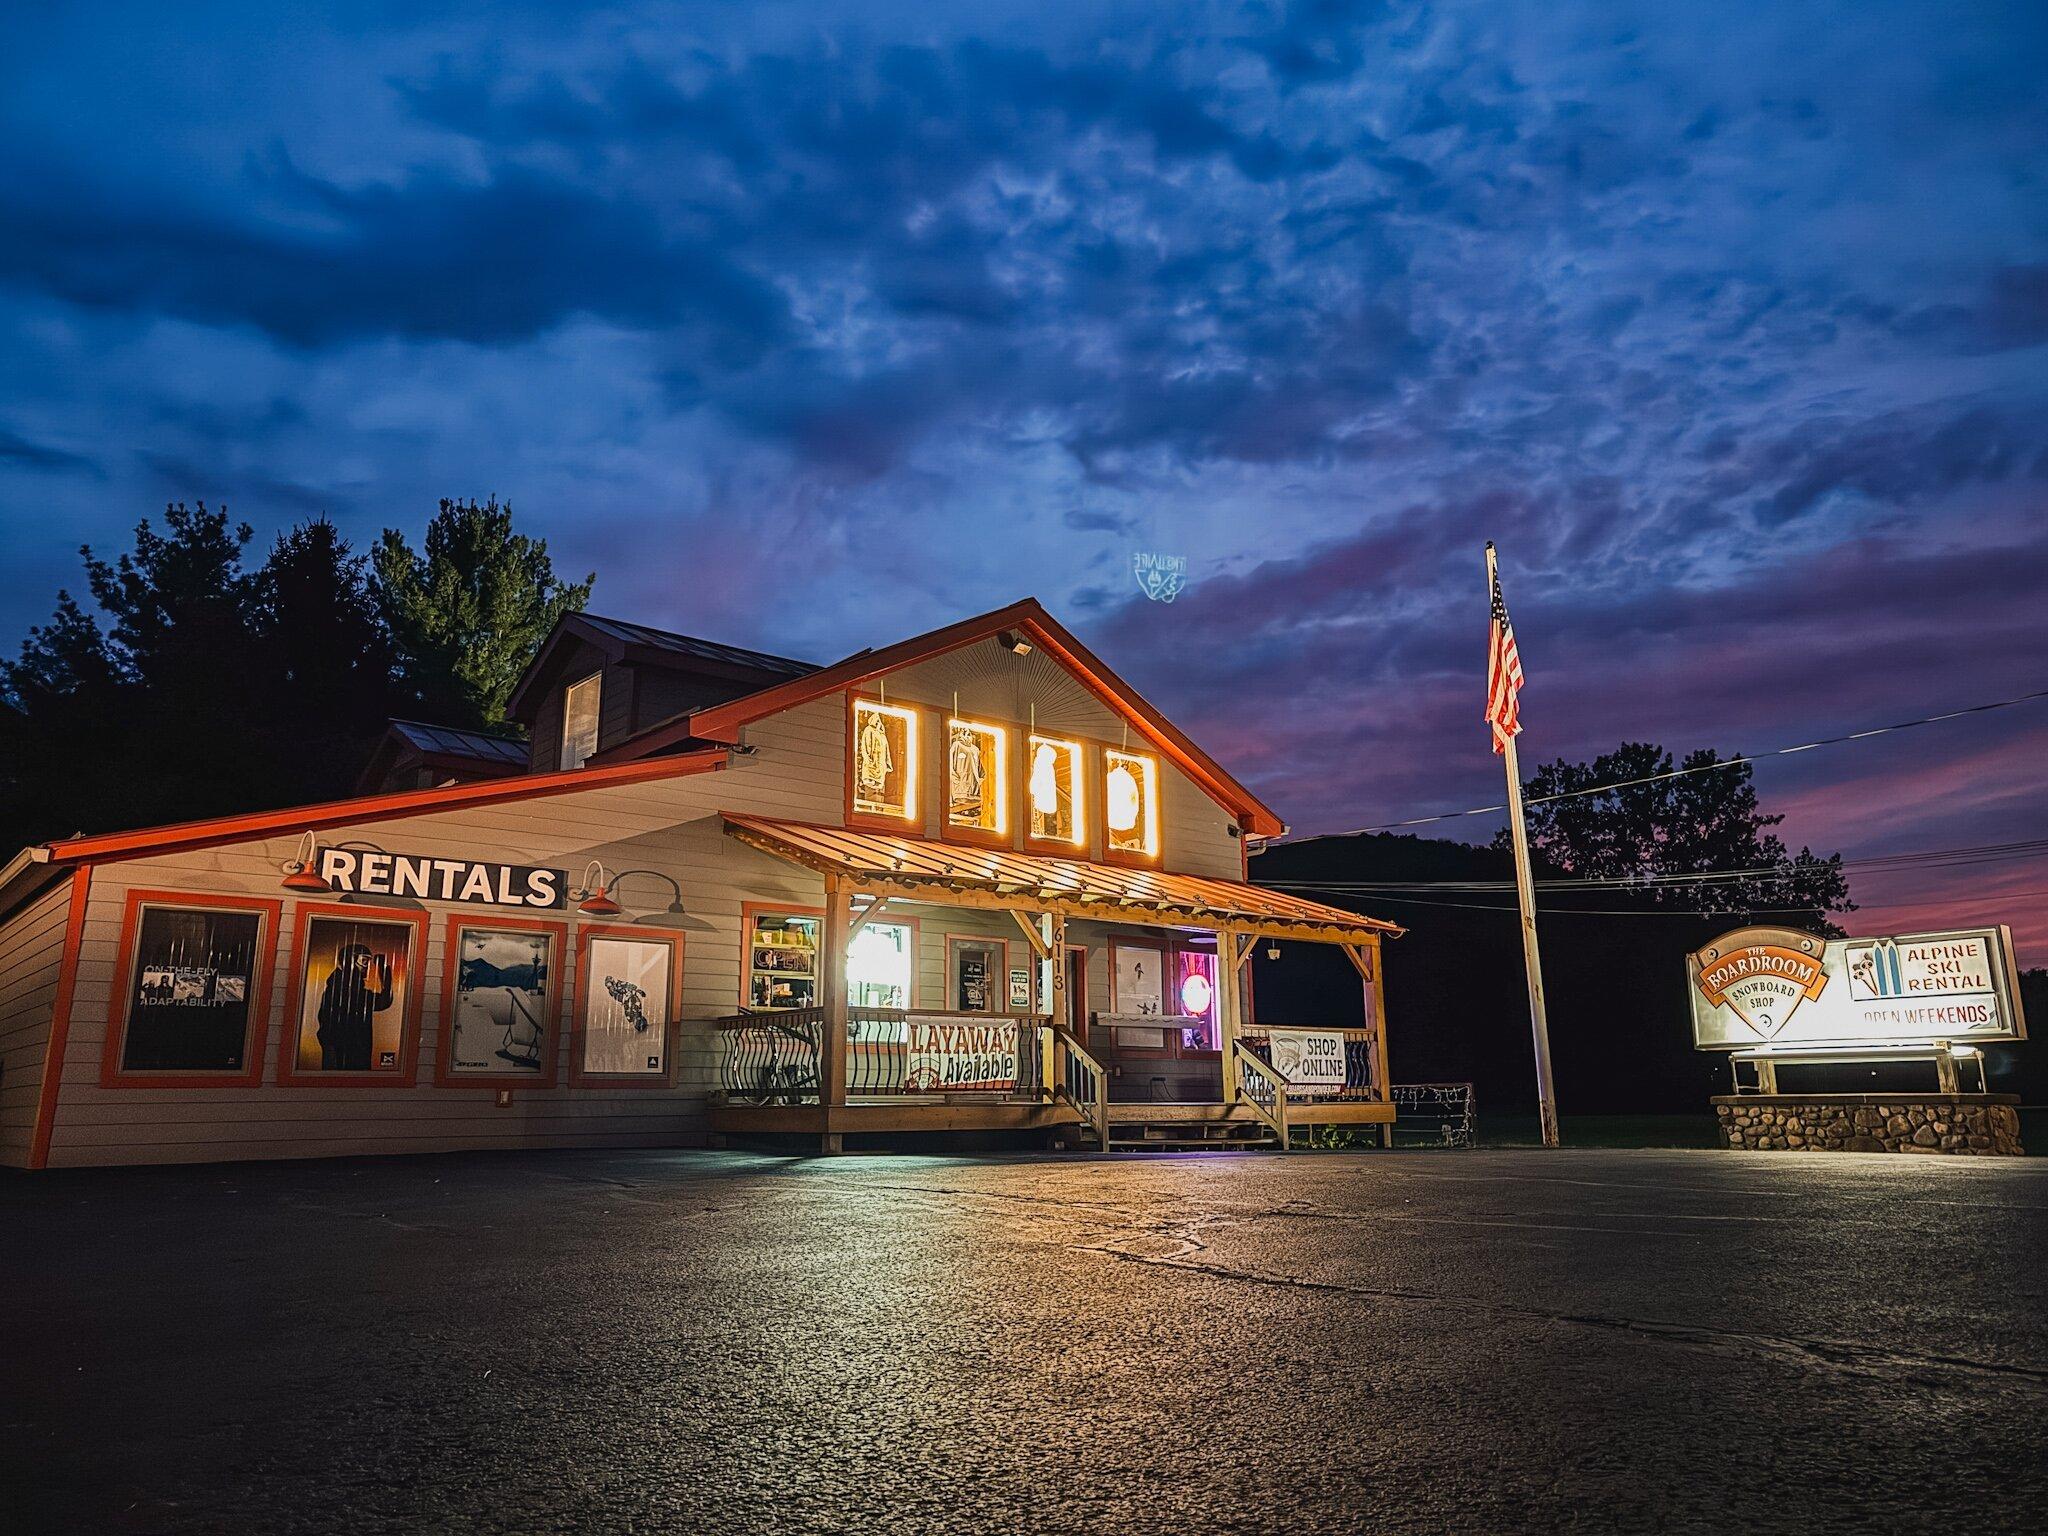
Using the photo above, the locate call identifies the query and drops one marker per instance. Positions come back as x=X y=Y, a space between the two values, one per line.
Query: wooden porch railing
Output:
x=1359 y=1062
x=771 y=1056
x=1263 y=1089
x=1070 y=1073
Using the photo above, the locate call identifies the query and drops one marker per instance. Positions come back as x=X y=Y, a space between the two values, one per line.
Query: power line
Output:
x=1679 y=773
x=1479 y=906
x=1873 y=864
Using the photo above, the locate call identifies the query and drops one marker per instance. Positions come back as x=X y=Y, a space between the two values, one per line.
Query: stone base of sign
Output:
x=1973 y=1124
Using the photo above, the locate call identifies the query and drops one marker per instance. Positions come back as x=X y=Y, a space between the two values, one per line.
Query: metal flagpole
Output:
x=1525 y=895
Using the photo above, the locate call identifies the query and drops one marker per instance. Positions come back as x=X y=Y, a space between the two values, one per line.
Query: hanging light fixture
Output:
x=299 y=873
x=593 y=896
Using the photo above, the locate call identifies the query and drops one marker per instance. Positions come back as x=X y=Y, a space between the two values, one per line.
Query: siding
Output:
x=668 y=826
x=31 y=954
x=991 y=684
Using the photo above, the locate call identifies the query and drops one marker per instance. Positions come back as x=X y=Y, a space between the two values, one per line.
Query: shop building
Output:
x=1033 y=882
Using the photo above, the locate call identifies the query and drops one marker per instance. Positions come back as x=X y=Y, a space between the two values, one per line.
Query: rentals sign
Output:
x=1779 y=986
x=431 y=879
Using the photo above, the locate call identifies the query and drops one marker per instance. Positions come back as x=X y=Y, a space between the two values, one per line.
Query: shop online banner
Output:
x=1309 y=1058
x=955 y=1055
x=1784 y=988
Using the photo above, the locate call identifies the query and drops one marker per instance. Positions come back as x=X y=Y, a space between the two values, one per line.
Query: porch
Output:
x=1204 y=1078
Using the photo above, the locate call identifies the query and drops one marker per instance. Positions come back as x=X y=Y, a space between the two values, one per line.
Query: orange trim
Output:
x=671 y=1032
x=722 y=722
x=748 y=911
x=60 y=1021
x=451 y=966
x=407 y=1076
x=185 y=835
x=255 y=1034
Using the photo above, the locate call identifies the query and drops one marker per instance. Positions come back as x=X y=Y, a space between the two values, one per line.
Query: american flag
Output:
x=1503 y=676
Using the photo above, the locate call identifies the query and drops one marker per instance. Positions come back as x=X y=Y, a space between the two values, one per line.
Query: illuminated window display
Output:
x=782 y=959
x=1053 y=792
x=977 y=777
x=884 y=760
x=881 y=965
x=1130 y=803
x=356 y=977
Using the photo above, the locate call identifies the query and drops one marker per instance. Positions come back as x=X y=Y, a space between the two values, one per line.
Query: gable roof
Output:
x=622 y=640
x=723 y=722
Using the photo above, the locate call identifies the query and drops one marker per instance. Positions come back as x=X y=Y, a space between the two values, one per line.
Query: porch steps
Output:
x=1158 y=1127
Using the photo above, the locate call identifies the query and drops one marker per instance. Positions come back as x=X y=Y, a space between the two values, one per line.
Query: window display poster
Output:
x=626 y=1007
x=188 y=1009
x=1140 y=980
x=504 y=1002
x=353 y=995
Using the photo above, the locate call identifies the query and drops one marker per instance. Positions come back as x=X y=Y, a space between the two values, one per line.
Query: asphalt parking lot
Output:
x=1475 y=1341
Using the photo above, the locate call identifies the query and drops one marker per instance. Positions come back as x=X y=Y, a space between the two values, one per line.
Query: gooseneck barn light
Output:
x=594 y=895
x=299 y=873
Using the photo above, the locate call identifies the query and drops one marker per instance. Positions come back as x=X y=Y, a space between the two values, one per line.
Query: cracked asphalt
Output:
x=675 y=1341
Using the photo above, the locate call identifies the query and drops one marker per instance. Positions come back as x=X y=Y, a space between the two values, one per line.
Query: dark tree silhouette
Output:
x=468 y=614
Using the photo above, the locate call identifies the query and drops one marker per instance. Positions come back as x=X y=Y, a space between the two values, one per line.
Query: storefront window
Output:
x=1130 y=803
x=1195 y=996
x=356 y=976
x=1138 y=974
x=191 y=990
x=579 y=720
x=977 y=777
x=977 y=975
x=884 y=760
x=881 y=965
x=1053 y=792
x=782 y=959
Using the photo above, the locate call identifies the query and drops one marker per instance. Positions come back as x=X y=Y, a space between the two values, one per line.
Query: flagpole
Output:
x=1525 y=895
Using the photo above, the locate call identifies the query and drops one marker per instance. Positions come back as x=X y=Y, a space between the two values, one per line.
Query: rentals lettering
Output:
x=470 y=880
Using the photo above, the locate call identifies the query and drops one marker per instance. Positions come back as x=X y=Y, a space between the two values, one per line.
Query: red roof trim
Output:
x=186 y=835
x=722 y=722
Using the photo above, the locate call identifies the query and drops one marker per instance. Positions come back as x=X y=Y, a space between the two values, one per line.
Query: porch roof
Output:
x=917 y=869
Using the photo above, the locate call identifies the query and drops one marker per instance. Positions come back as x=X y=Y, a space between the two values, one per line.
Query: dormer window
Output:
x=884 y=753
x=977 y=778
x=1130 y=804
x=579 y=720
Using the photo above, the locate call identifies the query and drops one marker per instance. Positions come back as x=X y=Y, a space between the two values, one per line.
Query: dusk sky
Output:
x=811 y=326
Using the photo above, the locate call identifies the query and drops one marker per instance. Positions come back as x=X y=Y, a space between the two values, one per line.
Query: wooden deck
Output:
x=883 y=1117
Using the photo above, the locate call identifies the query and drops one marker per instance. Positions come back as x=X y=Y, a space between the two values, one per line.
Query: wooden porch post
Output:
x=832 y=1045
x=1229 y=995
x=1376 y=1011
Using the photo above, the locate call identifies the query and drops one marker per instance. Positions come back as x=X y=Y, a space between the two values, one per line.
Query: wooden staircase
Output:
x=1154 y=1127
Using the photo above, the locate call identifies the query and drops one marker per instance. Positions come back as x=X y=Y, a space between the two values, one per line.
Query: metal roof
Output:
x=690 y=645
x=1107 y=892
x=450 y=741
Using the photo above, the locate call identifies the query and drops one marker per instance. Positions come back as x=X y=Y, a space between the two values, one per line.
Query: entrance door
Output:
x=1077 y=989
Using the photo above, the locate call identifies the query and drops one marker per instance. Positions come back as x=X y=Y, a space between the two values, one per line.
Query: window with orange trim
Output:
x=358 y=995
x=1130 y=804
x=1052 y=792
x=197 y=989
x=883 y=748
x=977 y=778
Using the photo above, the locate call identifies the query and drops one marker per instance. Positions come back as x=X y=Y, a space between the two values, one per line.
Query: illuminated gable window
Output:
x=884 y=760
x=1130 y=803
x=1053 y=791
x=580 y=719
x=977 y=777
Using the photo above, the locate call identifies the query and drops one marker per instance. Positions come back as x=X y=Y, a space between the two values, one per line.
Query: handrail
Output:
x=1078 y=1078
x=1263 y=1089
x=1359 y=1049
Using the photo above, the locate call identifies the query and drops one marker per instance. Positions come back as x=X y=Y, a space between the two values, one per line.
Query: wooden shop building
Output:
x=969 y=882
